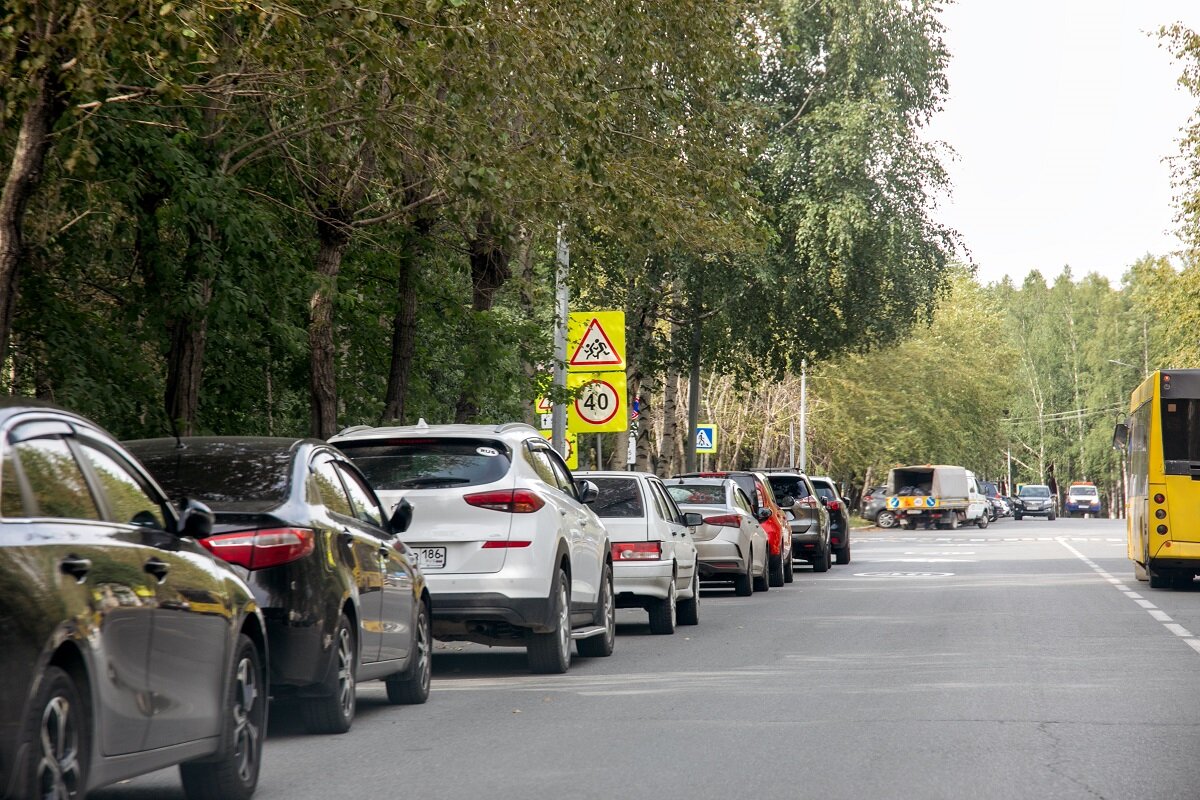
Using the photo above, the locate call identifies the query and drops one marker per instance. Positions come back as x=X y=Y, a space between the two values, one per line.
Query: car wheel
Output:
x=662 y=613
x=233 y=773
x=411 y=687
x=688 y=610
x=983 y=521
x=333 y=711
x=843 y=555
x=775 y=570
x=762 y=583
x=789 y=568
x=602 y=646
x=886 y=519
x=821 y=559
x=1017 y=517
x=57 y=729
x=743 y=584
x=550 y=653
x=1050 y=517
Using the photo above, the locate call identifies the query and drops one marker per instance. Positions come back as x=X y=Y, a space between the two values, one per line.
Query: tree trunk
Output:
x=666 y=455
x=24 y=174
x=528 y=302
x=185 y=365
x=404 y=329
x=334 y=237
x=489 y=270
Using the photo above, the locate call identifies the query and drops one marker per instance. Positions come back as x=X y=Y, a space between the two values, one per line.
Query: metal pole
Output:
x=804 y=415
x=792 y=443
x=693 y=399
x=599 y=451
x=562 y=302
x=1010 y=486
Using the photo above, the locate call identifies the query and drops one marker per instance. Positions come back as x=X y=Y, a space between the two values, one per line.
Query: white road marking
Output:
x=1151 y=609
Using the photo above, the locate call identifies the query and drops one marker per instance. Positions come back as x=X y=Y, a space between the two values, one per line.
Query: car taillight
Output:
x=834 y=505
x=261 y=549
x=637 y=551
x=514 y=501
x=727 y=520
x=496 y=544
x=809 y=502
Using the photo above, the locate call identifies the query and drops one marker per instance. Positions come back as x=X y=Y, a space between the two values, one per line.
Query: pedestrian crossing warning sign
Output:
x=596 y=341
x=706 y=438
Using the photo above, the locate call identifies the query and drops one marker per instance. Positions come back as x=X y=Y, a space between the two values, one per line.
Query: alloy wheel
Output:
x=345 y=667
x=59 y=770
x=246 y=733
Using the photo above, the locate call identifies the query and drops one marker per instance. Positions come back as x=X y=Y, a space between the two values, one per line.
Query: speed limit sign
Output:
x=599 y=405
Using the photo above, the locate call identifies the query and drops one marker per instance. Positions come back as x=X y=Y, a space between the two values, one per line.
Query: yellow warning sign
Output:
x=572 y=458
x=596 y=341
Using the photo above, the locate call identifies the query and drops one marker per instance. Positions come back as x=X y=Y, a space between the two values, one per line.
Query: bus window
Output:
x=1180 y=434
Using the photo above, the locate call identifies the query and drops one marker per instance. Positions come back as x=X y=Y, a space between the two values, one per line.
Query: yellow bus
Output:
x=1161 y=441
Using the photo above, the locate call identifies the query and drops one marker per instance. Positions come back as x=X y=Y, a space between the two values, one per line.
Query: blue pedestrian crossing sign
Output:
x=706 y=438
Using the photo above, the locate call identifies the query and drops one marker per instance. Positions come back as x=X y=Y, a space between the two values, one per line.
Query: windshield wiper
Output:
x=432 y=480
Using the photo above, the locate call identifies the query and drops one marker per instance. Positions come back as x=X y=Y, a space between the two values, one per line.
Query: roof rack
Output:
x=504 y=427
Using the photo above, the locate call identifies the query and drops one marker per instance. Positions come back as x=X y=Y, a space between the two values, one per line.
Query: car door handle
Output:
x=157 y=568
x=76 y=567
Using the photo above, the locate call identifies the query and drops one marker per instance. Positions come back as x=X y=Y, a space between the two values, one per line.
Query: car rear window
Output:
x=620 y=498
x=704 y=494
x=429 y=463
x=783 y=485
x=225 y=476
x=823 y=490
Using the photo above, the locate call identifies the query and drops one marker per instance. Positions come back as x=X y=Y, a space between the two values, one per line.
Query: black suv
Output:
x=807 y=517
x=839 y=518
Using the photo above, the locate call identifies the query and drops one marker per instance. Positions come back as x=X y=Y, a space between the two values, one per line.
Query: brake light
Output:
x=261 y=549
x=496 y=544
x=513 y=501
x=711 y=474
x=637 y=551
x=809 y=502
x=834 y=505
x=726 y=520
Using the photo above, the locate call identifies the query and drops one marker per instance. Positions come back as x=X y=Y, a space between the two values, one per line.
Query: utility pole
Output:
x=804 y=415
x=693 y=396
x=792 y=444
x=562 y=303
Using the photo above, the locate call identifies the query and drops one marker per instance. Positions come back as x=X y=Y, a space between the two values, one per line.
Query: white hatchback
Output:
x=511 y=551
x=654 y=557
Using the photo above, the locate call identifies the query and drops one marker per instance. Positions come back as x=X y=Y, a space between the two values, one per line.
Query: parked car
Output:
x=1034 y=500
x=342 y=596
x=996 y=506
x=807 y=518
x=653 y=555
x=511 y=550
x=874 y=500
x=758 y=490
x=731 y=544
x=839 y=517
x=127 y=647
x=1083 y=498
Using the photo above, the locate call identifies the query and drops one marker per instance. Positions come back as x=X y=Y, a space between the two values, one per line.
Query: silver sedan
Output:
x=731 y=545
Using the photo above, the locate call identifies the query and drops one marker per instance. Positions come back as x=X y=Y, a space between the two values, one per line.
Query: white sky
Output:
x=1061 y=113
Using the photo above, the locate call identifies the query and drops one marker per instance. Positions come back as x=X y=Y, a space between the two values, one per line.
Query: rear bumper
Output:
x=452 y=609
x=805 y=545
x=644 y=579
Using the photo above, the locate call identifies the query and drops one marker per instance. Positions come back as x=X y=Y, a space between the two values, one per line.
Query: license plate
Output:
x=431 y=557
x=914 y=511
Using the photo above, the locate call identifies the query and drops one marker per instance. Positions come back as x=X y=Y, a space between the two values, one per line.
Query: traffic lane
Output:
x=1020 y=674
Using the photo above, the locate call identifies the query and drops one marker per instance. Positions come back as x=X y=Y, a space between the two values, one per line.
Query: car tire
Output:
x=843 y=555
x=1017 y=517
x=1050 y=517
x=743 y=584
x=821 y=560
x=232 y=774
x=885 y=519
x=57 y=718
x=789 y=568
x=550 y=653
x=687 y=610
x=333 y=711
x=983 y=521
x=775 y=571
x=411 y=687
x=763 y=582
x=662 y=613
x=602 y=646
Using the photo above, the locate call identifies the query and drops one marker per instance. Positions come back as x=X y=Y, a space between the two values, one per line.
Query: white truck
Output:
x=935 y=495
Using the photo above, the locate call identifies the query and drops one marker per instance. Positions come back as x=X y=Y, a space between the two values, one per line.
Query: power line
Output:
x=1058 y=416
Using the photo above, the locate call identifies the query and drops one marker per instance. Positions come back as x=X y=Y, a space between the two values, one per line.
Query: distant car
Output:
x=731 y=544
x=506 y=538
x=653 y=555
x=343 y=598
x=997 y=507
x=1082 y=498
x=126 y=646
x=758 y=489
x=807 y=517
x=874 y=507
x=1034 y=500
x=839 y=517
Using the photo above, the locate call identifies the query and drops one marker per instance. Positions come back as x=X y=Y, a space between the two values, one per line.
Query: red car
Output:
x=779 y=533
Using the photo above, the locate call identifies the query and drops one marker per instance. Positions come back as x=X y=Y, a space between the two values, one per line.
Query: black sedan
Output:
x=343 y=598
x=125 y=647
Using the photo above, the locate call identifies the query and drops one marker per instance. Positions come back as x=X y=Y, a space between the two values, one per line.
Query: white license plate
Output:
x=431 y=557
x=915 y=510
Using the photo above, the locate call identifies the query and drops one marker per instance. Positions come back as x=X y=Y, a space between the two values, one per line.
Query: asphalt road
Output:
x=1019 y=661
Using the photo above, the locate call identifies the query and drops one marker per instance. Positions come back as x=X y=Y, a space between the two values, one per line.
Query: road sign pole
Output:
x=804 y=415
x=562 y=302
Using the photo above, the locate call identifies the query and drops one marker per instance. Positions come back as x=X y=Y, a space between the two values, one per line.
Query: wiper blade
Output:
x=433 y=480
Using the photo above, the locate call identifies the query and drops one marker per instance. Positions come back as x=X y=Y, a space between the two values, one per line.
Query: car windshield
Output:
x=428 y=463
x=709 y=494
x=1034 y=491
x=619 y=498
x=226 y=476
x=1083 y=491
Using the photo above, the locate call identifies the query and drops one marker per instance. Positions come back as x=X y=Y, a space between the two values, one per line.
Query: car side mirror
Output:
x=692 y=519
x=588 y=491
x=824 y=500
x=763 y=514
x=787 y=501
x=401 y=516
x=195 y=519
x=1120 y=436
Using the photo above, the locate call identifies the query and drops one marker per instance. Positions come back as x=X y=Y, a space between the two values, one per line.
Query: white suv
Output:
x=512 y=554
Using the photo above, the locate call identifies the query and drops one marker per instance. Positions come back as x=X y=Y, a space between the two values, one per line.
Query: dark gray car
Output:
x=839 y=517
x=807 y=517
x=874 y=500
